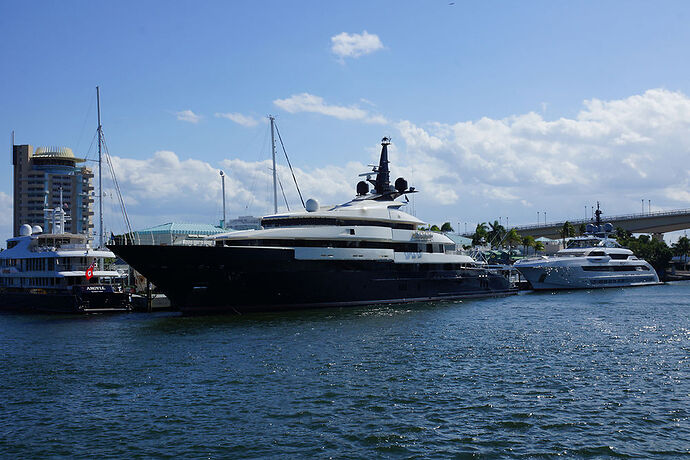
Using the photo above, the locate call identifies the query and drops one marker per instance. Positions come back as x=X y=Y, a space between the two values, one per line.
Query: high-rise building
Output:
x=40 y=176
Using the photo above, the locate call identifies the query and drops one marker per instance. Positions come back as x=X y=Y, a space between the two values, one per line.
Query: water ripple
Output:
x=572 y=374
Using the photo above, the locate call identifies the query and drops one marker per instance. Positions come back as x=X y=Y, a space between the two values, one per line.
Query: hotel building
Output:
x=38 y=177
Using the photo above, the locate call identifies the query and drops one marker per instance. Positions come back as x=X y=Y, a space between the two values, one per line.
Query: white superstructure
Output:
x=362 y=229
x=53 y=261
x=594 y=260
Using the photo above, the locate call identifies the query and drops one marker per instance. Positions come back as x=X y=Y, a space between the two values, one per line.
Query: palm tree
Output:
x=480 y=235
x=538 y=246
x=496 y=234
x=528 y=242
x=567 y=231
x=446 y=227
x=513 y=238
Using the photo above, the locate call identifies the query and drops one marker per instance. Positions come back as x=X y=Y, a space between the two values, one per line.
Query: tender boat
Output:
x=366 y=251
x=593 y=260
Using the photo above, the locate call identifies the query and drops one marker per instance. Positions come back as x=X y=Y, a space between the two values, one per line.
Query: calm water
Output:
x=587 y=374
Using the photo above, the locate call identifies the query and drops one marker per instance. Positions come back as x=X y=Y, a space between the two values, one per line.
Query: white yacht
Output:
x=59 y=272
x=594 y=260
x=366 y=251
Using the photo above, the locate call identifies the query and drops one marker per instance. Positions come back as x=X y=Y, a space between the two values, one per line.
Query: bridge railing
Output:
x=675 y=212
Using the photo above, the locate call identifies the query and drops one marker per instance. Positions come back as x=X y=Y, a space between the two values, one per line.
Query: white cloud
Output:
x=6 y=209
x=355 y=45
x=306 y=102
x=188 y=116
x=163 y=188
x=238 y=118
x=615 y=151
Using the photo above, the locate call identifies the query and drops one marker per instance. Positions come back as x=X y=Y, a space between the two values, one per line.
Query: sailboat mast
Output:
x=273 y=151
x=100 y=176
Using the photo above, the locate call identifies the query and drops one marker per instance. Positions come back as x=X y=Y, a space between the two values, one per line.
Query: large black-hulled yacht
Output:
x=366 y=251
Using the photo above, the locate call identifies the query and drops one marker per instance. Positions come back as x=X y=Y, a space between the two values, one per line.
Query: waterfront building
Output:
x=551 y=246
x=459 y=240
x=40 y=177
x=244 y=223
x=173 y=233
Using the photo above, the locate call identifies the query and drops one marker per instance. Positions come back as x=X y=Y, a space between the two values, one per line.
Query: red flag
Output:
x=89 y=271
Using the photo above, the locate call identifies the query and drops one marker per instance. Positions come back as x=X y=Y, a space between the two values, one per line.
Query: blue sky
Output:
x=495 y=108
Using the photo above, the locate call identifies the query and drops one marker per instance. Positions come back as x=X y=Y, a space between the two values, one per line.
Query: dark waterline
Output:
x=585 y=374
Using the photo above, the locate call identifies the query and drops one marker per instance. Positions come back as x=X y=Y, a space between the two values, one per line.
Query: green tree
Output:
x=434 y=228
x=513 y=238
x=446 y=227
x=622 y=235
x=496 y=234
x=480 y=235
x=582 y=229
x=538 y=246
x=656 y=252
x=681 y=248
x=567 y=231
x=528 y=242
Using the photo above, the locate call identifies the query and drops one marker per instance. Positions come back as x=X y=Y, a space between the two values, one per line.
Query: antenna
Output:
x=100 y=176
x=273 y=152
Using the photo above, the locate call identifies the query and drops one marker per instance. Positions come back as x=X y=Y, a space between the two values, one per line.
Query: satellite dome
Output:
x=312 y=205
x=400 y=184
x=25 y=230
x=608 y=227
x=36 y=229
x=362 y=188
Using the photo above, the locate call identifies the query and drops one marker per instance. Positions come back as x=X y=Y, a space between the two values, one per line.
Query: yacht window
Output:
x=596 y=253
x=399 y=247
x=320 y=221
x=11 y=244
x=615 y=268
x=619 y=256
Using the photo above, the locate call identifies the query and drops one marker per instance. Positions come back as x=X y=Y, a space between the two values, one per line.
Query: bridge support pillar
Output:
x=658 y=236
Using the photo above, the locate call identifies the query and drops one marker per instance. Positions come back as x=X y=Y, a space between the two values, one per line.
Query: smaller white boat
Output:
x=594 y=260
x=59 y=272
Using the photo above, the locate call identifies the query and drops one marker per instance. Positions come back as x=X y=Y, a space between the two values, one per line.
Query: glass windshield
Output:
x=586 y=243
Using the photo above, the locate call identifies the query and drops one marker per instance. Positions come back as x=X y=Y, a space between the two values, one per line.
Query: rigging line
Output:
x=290 y=165
x=283 y=192
x=93 y=139
x=117 y=186
x=83 y=126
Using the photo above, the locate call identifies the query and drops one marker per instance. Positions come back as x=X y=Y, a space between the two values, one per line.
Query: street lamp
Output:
x=222 y=178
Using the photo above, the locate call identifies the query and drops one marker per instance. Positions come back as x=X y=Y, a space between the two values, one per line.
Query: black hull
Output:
x=222 y=279
x=64 y=302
